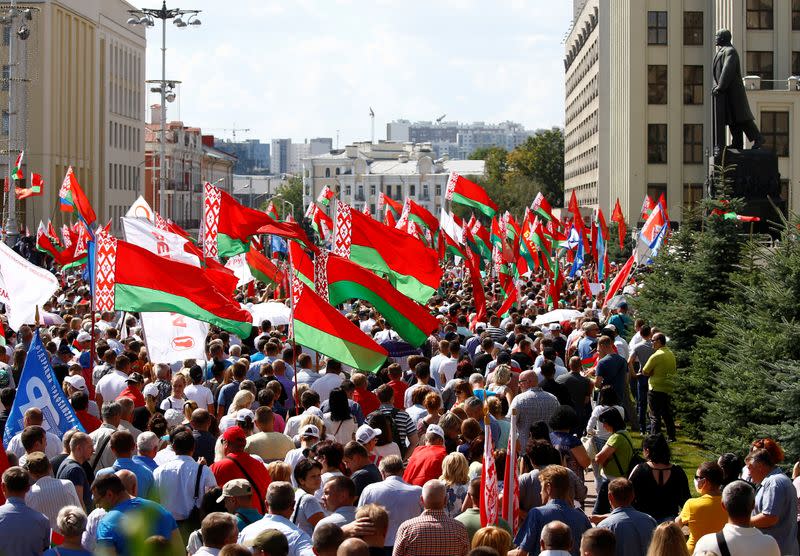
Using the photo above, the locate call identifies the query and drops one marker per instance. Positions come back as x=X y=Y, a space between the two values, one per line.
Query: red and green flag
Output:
x=730 y=215
x=343 y=279
x=325 y=196
x=72 y=198
x=228 y=226
x=482 y=242
x=620 y=280
x=320 y=221
x=130 y=278
x=391 y=205
x=262 y=268
x=36 y=188
x=272 y=211
x=302 y=265
x=410 y=267
x=542 y=208
x=647 y=207
x=464 y=192
x=16 y=171
x=419 y=214
x=317 y=325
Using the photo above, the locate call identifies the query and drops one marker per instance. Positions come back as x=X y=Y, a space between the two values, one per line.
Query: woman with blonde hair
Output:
x=668 y=540
x=500 y=382
x=493 y=537
x=242 y=400
x=188 y=408
x=176 y=397
x=455 y=474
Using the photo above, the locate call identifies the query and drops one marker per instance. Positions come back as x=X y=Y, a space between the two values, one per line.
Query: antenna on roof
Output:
x=372 y=125
x=440 y=118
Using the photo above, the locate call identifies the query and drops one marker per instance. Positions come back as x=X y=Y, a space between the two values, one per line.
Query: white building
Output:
x=638 y=105
x=286 y=157
x=360 y=172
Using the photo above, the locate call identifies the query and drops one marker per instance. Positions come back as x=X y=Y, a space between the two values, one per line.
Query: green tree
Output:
x=291 y=191
x=496 y=159
x=538 y=165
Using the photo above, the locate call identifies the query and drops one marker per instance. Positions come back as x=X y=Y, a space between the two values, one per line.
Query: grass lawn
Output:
x=686 y=453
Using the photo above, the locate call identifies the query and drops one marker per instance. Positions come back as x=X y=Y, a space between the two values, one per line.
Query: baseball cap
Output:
x=270 y=541
x=236 y=487
x=234 y=433
x=526 y=322
x=555 y=326
x=134 y=378
x=244 y=415
x=437 y=430
x=310 y=430
x=173 y=417
x=365 y=434
x=83 y=337
x=150 y=390
x=76 y=381
x=313 y=411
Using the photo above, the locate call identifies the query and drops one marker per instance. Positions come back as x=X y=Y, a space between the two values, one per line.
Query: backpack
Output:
x=635 y=460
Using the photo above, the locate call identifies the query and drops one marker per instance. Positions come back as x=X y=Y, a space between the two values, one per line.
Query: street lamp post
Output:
x=182 y=18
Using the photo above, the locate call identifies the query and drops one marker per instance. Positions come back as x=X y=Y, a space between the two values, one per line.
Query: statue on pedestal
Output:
x=730 y=106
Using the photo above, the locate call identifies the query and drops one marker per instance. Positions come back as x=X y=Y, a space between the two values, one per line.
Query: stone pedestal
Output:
x=753 y=175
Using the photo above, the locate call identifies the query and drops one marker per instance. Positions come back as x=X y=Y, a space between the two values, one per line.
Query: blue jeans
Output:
x=640 y=390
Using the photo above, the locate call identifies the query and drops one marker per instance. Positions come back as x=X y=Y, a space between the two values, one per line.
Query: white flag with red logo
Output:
x=511 y=479
x=489 y=488
x=172 y=337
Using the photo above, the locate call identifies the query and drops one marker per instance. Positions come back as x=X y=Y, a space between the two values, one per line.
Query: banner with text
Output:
x=172 y=337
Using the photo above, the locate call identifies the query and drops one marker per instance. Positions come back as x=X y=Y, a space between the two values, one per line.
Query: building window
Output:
x=438 y=189
x=775 y=129
x=372 y=189
x=784 y=190
x=693 y=28
x=656 y=84
x=657 y=143
x=795 y=62
x=425 y=191
x=656 y=190
x=347 y=190
x=759 y=62
x=327 y=172
x=692 y=194
x=6 y=35
x=6 y=76
x=338 y=171
x=656 y=27
x=412 y=190
x=759 y=14
x=389 y=190
x=693 y=84
x=692 y=143
x=795 y=15
x=399 y=192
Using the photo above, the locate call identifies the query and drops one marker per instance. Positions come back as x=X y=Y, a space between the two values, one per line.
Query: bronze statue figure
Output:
x=730 y=106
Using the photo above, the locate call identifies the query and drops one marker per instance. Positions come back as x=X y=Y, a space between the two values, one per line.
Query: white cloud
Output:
x=308 y=67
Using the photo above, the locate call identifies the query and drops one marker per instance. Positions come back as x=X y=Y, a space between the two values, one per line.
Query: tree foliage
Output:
x=291 y=191
x=512 y=179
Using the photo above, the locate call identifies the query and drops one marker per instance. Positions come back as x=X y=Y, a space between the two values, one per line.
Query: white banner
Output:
x=23 y=287
x=238 y=265
x=172 y=337
x=448 y=224
x=140 y=209
x=161 y=242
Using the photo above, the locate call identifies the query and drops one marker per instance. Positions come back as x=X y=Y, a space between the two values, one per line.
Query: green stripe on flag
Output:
x=138 y=298
x=228 y=246
x=348 y=353
x=345 y=289
x=407 y=285
x=485 y=209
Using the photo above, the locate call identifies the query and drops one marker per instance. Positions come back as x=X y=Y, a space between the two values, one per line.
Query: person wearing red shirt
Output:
x=397 y=384
x=368 y=401
x=80 y=404
x=238 y=464
x=426 y=461
x=135 y=383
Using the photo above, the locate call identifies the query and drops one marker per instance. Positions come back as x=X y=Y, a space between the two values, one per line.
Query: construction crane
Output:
x=233 y=130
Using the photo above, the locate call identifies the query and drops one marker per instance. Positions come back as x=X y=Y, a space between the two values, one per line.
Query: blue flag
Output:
x=38 y=387
x=278 y=244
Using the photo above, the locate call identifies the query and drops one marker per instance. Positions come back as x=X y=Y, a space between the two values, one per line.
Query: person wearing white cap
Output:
x=112 y=384
x=426 y=461
x=309 y=436
x=76 y=383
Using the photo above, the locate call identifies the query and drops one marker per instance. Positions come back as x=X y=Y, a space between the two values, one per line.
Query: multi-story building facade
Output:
x=191 y=160
x=638 y=95
x=455 y=139
x=252 y=155
x=77 y=100
x=286 y=157
x=360 y=172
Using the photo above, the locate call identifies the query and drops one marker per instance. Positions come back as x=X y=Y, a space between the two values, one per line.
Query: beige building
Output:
x=360 y=172
x=638 y=104
x=82 y=105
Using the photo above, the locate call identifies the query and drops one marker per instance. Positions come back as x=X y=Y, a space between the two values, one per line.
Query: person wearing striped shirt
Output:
x=48 y=494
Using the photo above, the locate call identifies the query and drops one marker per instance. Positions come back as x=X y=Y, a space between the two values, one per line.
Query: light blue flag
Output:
x=38 y=387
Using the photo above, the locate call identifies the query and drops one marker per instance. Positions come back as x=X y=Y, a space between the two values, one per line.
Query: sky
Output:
x=307 y=68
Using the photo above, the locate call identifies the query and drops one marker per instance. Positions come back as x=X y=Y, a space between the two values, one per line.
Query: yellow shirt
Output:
x=702 y=516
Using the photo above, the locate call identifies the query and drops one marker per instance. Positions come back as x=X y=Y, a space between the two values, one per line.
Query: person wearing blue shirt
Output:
x=556 y=486
x=588 y=343
x=227 y=392
x=775 y=512
x=147 y=444
x=612 y=369
x=129 y=519
x=622 y=321
x=632 y=529
x=123 y=446
x=26 y=532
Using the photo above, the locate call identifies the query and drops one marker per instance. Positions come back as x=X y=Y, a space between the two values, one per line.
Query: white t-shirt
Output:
x=112 y=385
x=342 y=431
x=325 y=384
x=742 y=541
x=200 y=394
x=171 y=402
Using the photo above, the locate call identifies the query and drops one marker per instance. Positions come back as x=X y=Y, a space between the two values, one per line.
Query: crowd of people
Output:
x=267 y=448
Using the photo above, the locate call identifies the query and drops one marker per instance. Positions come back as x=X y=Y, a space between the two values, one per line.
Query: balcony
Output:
x=756 y=83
